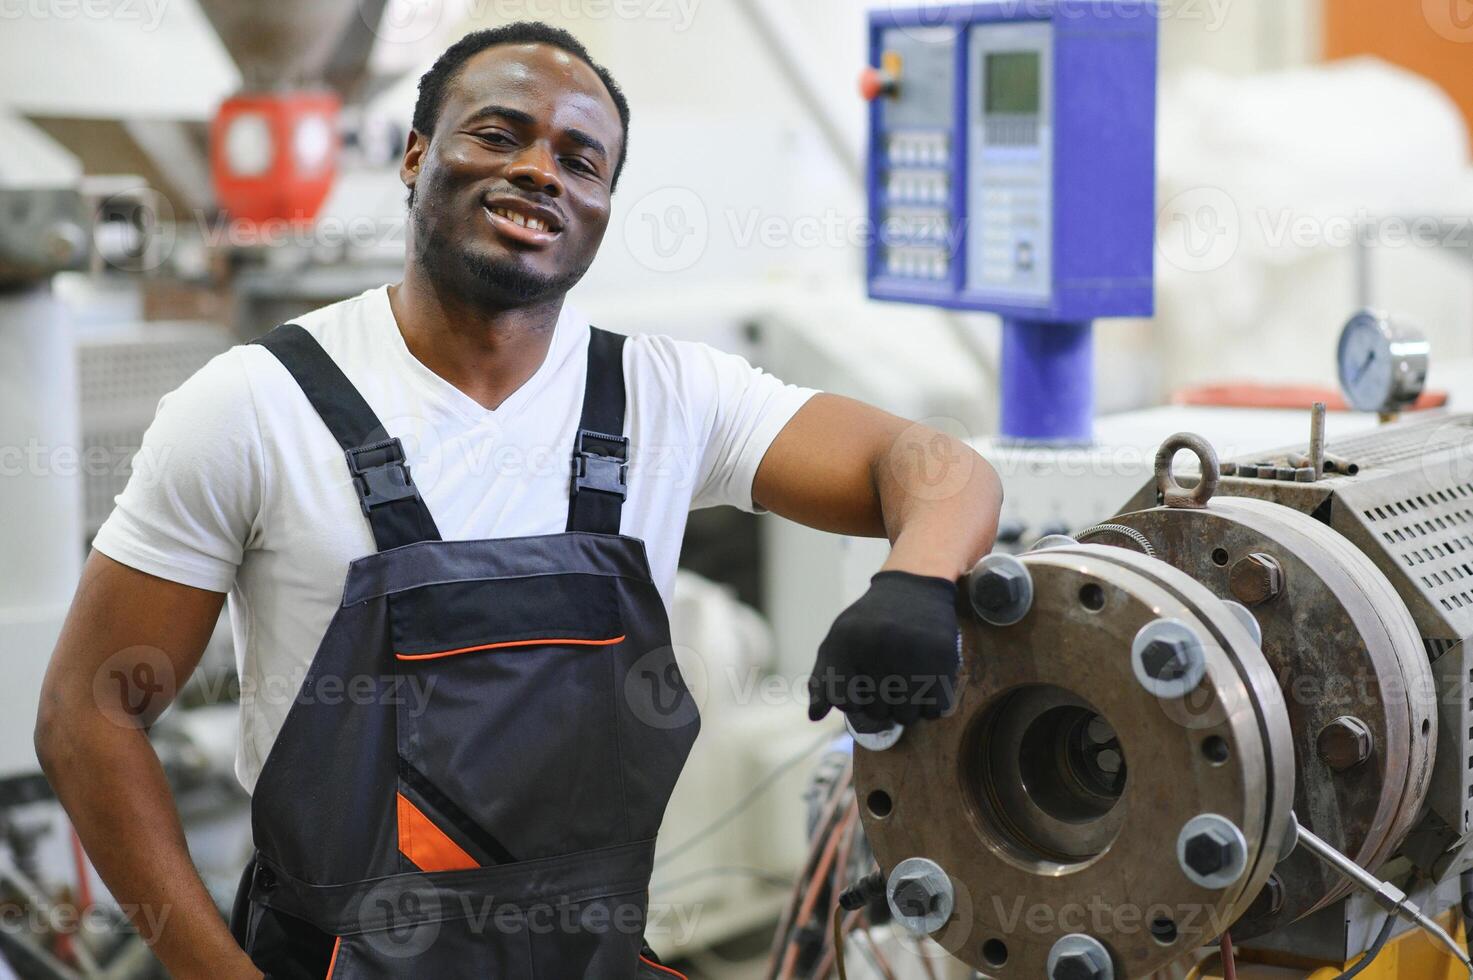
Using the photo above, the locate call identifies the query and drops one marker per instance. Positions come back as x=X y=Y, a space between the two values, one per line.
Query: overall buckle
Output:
x=605 y=471
x=380 y=474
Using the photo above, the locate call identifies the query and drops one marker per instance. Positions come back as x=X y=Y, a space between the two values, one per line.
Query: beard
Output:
x=510 y=280
x=481 y=280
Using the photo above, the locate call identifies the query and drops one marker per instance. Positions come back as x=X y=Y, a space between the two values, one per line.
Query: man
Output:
x=387 y=484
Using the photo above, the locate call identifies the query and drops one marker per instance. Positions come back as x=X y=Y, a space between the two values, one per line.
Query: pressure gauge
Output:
x=1383 y=362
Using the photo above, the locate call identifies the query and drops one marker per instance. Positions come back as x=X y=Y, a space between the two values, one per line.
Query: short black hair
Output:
x=432 y=83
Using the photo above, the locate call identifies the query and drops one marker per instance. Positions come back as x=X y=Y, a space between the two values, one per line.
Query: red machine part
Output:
x=1250 y=394
x=884 y=80
x=273 y=156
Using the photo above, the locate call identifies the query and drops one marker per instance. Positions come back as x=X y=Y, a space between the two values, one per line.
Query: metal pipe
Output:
x=1387 y=895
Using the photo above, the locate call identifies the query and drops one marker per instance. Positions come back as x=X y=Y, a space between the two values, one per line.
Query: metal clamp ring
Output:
x=1173 y=494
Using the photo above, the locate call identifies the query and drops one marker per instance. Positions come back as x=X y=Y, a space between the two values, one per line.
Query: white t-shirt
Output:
x=240 y=488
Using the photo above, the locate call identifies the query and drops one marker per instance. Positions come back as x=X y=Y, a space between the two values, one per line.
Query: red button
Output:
x=874 y=83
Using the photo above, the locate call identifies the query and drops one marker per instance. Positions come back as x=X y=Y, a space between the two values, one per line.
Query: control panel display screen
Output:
x=1011 y=83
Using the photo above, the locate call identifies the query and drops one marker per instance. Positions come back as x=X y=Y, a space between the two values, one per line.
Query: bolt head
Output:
x=1166 y=659
x=914 y=897
x=998 y=588
x=1079 y=965
x=1345 y=743
x=1256 y=578
x=1270 y=899
x=1209 y=851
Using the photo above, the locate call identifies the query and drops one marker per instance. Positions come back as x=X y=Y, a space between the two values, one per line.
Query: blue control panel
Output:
x=1012 y=157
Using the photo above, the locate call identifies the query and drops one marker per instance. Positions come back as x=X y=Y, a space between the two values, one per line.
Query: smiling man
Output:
x=448 y=576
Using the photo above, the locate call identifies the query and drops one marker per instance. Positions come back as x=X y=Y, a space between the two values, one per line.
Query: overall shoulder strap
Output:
x=600 y=449
x=387 y=494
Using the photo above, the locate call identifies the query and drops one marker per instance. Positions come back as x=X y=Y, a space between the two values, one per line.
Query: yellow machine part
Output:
x=1413 y=955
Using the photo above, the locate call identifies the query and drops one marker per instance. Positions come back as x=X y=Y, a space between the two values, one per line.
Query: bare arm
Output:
x=843 y=466
x=129 y=642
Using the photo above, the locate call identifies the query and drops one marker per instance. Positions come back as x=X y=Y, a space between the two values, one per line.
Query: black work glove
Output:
x=893 y=655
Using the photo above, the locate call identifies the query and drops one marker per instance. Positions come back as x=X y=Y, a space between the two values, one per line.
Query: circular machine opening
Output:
x=1045 y=772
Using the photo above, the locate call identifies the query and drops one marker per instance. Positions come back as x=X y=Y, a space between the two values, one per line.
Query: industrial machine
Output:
x=274 y=145
x=1238 y=708
x=47 y=229
x=1012 y=171
x=1152 y=715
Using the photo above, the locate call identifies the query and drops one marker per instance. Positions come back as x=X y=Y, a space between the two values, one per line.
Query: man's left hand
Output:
x=893 y=654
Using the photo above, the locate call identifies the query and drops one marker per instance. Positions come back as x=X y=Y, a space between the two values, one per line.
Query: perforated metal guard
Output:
x=1419 y=531
x=1409 y=440
x=121 y=375
x=1431 y=534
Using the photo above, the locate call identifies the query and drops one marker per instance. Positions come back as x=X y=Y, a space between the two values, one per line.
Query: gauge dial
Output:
x=1383 y=363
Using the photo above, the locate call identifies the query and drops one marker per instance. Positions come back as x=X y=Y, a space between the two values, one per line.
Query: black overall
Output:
x=470 y=779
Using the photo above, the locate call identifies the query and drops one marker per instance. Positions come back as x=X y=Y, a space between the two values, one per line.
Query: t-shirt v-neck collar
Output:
x=452 y=397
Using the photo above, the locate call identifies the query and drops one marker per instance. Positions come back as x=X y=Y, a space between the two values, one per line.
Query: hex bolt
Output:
x=1078 y=966
x=1000 y=589
x=1166 y=659
x=1209 y=851
x=1345 y=743
x=1079 y=957
x=1212 y=851
x=873 y=736
x=920 y=895
x=1256 y=578
x=914 y=898
x=1269 y=901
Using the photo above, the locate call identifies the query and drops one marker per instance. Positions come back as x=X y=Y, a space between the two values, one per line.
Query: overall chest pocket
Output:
x=508 y=733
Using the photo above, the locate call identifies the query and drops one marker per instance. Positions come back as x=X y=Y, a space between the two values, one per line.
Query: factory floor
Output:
x=754 y=969
x=743 y=958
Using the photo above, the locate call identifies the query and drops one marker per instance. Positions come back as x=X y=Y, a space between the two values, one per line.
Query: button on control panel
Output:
x=915 y=201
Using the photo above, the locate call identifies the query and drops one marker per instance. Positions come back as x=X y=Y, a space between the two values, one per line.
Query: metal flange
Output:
x=1057 y=775
x=1342 y=644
